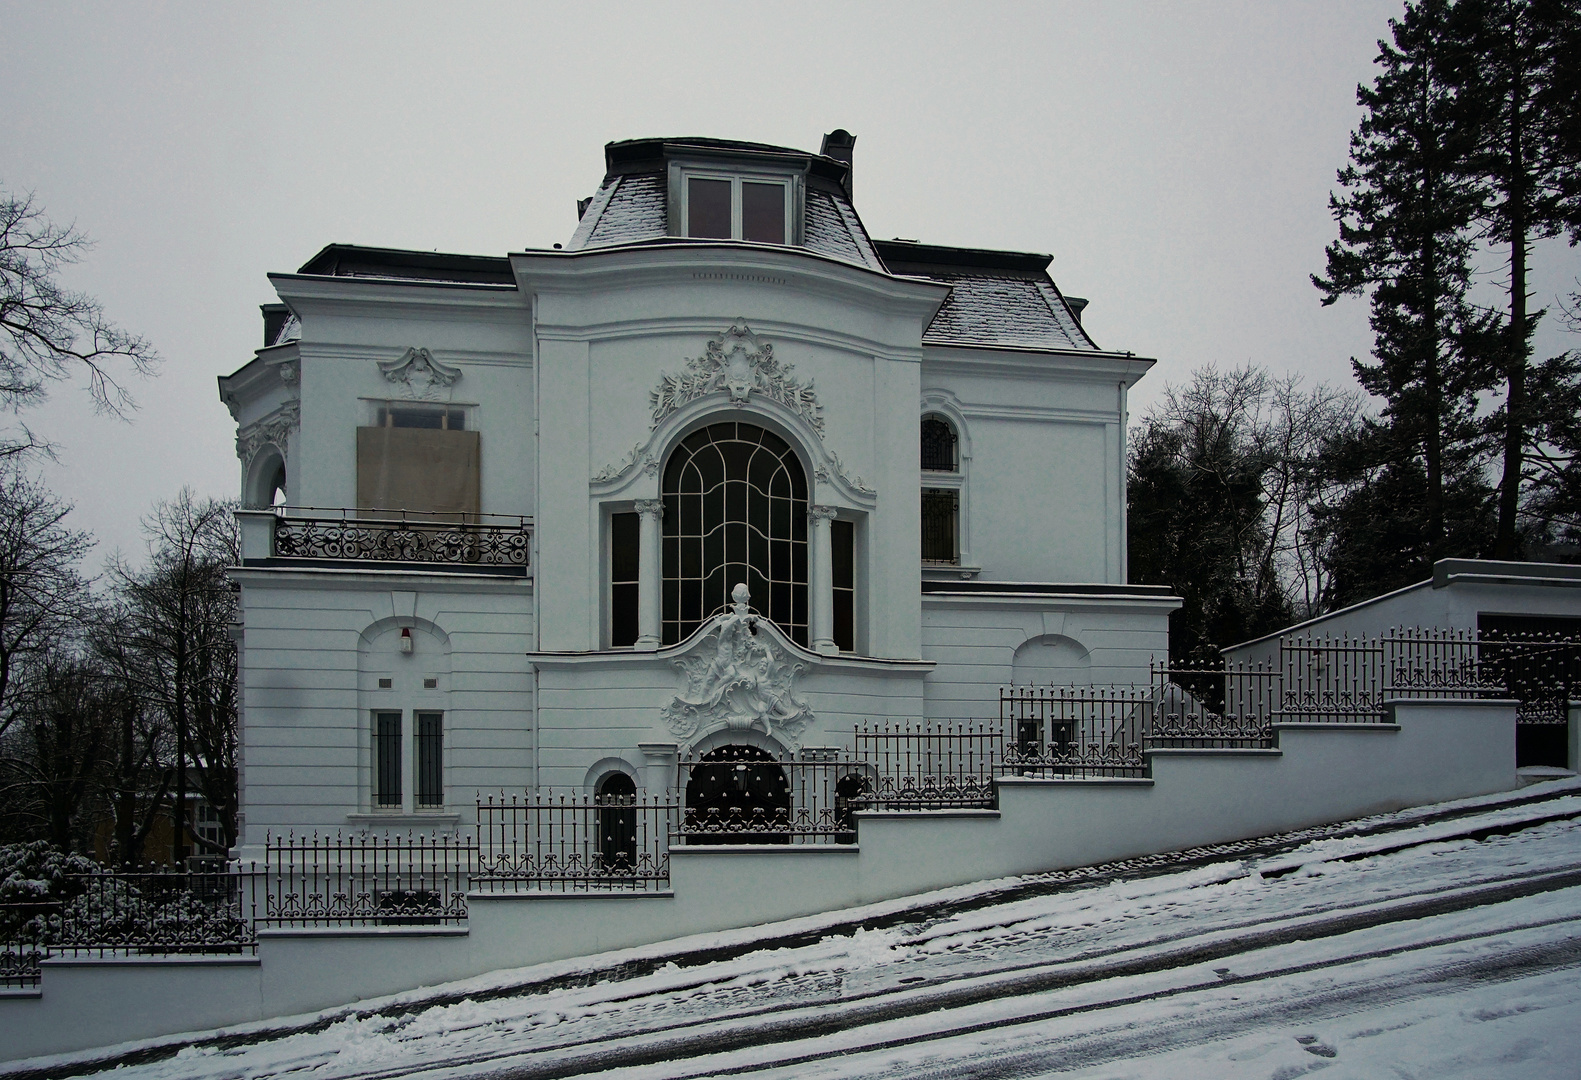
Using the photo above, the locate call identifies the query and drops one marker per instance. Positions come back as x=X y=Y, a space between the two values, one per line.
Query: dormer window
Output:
x=720 y=207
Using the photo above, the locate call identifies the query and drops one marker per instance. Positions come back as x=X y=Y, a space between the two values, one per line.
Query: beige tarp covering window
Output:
x=423 y=469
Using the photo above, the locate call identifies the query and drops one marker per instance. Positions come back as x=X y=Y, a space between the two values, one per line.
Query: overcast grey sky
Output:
x=1175 y=158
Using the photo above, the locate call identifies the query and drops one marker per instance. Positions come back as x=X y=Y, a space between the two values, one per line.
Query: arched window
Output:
x=938 y=445
x=735 y=509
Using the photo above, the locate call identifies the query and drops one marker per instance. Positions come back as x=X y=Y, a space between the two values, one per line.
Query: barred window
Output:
x=735 y=510
x=938 y=445
x=430 y=759
x=941 y=511
x=387 y=759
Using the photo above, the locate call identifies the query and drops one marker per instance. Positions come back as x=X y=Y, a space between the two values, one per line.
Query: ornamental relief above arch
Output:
x=736 y=369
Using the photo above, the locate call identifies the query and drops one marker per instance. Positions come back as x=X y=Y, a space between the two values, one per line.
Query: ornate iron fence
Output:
x=923 y=765
x=1074 y=731
x=402 y=536
x=547 y=842
x=740 y=795
x=365 y=879
x=147 y=911
x=1333 y=680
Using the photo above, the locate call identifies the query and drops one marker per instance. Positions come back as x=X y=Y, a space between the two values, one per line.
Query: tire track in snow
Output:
x=919 y=916
x=716 y=1035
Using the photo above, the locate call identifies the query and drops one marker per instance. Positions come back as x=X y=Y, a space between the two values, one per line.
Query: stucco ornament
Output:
x=742 y=682
x=738 y=364
x=639 y=456
x=275 y=428
x=419 y=374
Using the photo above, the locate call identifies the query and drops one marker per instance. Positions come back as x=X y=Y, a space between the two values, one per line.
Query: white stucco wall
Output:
x=1436 y=750
x=974 y=639
x=314 y=645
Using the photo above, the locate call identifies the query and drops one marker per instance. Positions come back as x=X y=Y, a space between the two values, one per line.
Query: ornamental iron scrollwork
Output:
x=373 y=540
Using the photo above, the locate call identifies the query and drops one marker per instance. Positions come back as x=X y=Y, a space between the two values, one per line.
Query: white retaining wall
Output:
x=1435 y=751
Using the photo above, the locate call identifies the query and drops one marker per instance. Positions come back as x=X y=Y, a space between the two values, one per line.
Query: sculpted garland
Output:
x=735 y=363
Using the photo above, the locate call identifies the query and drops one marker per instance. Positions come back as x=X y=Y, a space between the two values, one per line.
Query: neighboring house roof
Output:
x=1448 y=573
x=996 y=297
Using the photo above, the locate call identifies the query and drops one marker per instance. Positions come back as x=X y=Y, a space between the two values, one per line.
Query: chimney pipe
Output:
x=839 y=145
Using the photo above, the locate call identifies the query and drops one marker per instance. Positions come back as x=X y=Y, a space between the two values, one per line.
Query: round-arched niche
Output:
x=1051 y=660
x=266 y=479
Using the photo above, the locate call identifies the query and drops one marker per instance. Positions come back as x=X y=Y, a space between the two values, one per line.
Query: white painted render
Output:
x=556 y=373
x=1434 y=751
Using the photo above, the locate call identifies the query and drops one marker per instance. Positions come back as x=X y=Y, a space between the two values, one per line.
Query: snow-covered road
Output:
x=1441 y=942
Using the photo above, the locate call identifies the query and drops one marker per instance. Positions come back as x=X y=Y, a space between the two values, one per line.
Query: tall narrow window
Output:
x=624 y=532
x=842 y=537
x=430 y=758
x=735 y=510
x=940 y=516
x=938 y=445
x=387 y=759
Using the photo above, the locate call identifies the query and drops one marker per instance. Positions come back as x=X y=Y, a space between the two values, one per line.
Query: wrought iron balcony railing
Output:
x=310 y=532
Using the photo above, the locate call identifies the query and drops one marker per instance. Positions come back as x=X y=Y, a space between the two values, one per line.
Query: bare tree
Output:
x=139 y=782
x=41 y=594
x=179 y=611
x=1223 y=488
x=52 y=764
x=49 y=333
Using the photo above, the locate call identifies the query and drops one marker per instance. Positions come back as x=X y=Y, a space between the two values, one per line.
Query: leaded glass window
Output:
x=735 y=509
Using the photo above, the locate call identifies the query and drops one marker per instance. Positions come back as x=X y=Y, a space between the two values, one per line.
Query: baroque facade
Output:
x=722 y=473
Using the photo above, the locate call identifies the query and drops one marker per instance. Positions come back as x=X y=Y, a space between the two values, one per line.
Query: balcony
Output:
x=322 y=536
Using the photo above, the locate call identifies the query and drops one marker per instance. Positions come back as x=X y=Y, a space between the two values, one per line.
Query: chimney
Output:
x=839 y=144
x=274 y=318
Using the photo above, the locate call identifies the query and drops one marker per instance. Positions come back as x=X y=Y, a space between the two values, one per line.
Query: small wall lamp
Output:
x=406 y=639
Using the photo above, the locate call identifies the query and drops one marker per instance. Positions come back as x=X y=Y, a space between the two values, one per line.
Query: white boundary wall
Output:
x=1435 y=751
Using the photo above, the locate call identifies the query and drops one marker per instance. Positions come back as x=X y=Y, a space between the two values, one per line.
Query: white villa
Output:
x=501 y=505
x=655 y=586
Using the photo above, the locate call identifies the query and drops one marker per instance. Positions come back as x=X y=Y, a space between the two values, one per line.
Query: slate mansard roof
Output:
x=997 y=299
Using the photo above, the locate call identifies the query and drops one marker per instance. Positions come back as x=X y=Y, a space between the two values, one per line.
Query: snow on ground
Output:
x=1437 y=943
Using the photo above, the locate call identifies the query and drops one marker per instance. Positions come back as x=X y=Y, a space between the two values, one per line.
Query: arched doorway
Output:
x=616 y=800
x=737 y=795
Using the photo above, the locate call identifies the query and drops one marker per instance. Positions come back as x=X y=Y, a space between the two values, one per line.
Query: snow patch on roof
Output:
x=985 y=308
x=829 y=231
x=636 y=210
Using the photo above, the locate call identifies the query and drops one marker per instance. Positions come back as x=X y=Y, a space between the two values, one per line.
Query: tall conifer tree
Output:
x=1406 y=237
x=1521 y=87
